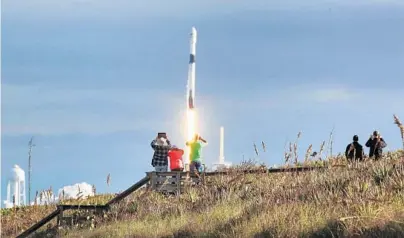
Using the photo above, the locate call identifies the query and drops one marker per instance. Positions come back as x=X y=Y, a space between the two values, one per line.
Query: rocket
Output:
x=191 y=71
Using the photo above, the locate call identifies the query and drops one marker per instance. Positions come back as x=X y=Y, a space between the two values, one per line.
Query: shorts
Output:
x=161 y=168
x=195 y=165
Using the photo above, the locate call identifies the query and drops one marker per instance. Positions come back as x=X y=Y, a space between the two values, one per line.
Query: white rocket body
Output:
x=191 y=70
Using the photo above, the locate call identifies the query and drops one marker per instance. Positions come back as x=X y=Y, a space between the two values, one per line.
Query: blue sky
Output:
x=93 y=81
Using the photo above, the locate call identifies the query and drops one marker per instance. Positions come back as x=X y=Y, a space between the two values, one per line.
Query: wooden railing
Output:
x=61 y=208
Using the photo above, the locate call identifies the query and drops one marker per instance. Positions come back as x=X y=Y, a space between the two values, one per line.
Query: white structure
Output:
x=222 y=163
x=221 y=151
x=16 y=188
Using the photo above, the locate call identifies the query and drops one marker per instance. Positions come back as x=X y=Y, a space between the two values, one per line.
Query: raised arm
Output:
x=382 y=143
x=203 y=140
x=369 y=142
x=347 y=150
x=168 y=144
x=153 y=144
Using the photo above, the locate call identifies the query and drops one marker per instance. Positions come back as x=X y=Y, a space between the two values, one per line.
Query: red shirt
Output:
x=175 y=156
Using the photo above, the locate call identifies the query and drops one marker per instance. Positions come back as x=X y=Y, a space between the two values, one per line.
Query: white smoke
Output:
x=7 y=204
x=78 y=190
x=45 y=197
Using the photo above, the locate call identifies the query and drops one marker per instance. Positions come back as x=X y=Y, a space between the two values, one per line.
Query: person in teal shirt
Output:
x=195 y=152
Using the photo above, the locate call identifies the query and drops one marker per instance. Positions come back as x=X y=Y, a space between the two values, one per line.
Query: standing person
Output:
x=354 y=150
x=376 y=144
x=161 y=145
x=175 y=155
x=195 y=152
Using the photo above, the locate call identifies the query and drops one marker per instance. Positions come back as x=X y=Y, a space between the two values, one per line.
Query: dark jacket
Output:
x=354 y=150
x=376 y=147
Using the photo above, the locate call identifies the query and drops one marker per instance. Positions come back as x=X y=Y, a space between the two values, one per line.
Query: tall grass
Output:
x=344 y=201
x=351 y=200
x=363 y=201
x=400 y=126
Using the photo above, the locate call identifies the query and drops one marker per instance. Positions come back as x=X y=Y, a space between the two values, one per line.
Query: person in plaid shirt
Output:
x=161 y=146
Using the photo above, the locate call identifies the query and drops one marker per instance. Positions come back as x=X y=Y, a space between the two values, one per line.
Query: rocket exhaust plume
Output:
x=191 y=117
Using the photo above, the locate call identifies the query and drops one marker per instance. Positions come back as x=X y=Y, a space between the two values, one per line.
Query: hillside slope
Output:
x=362 y=199
x=365 y=199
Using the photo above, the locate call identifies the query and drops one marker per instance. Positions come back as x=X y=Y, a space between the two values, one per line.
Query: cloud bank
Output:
x=47 y=110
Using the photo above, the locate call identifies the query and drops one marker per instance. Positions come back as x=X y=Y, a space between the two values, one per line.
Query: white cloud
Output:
x=78 y=190
x=311 y=96
x=328 y=93
x=333 y=95
x=37 y=95
x=47 y=110
x=81 y=190
x=296 y=96
x=45 y=197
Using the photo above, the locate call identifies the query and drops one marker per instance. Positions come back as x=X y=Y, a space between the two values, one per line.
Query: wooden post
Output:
x=153 y=180
x=149 y=184
x=178 y=181
x=60 y=216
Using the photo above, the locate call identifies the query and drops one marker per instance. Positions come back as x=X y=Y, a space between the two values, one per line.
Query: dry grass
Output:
x=15 y=220
x=349 y=199
x=400 y=126
x=362 y=200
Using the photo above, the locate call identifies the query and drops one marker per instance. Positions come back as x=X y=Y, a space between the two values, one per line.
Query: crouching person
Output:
x=175 y=155
x=176 y=165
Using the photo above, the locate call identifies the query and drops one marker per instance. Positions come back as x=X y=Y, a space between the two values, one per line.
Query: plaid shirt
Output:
x=160 y=156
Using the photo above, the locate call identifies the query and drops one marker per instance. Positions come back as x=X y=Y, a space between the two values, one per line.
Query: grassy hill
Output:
x=355 y=200
x=341 y=199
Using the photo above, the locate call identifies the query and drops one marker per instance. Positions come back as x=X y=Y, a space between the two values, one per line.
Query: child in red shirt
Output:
x=175 y=155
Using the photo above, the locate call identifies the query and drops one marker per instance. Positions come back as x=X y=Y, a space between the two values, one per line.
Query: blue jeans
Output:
x=195 y=165
x=161 y=168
